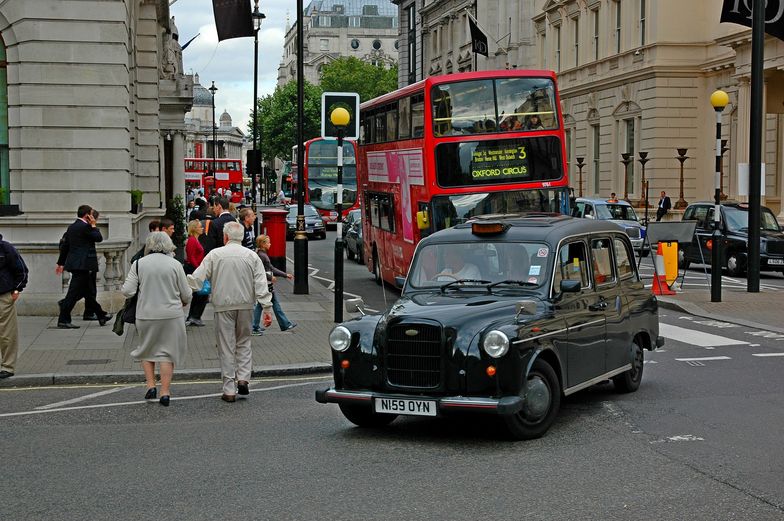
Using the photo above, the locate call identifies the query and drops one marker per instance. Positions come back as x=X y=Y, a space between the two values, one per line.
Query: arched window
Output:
x=4 y=170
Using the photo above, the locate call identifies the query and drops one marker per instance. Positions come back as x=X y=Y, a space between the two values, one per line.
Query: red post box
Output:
x=273 y=221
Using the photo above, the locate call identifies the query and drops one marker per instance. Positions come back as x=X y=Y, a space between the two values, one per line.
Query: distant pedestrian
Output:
x=263 y=244
x=194 y=254
x=79 y=257
x=167 y=226
x=247 y=196
x=89 y=313
x=13 y=279
x=613 y=198
x=238 y=281
x=664 y=206
x=281 y=197
x=154 y=226
x=163 y=291
x=247 y=217
x=220 y=209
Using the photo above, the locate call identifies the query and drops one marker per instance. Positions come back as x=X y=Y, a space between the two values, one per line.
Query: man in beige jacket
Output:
x=238 y=281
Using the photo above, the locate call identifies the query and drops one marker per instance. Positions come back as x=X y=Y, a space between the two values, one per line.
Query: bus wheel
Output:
x=376 y=268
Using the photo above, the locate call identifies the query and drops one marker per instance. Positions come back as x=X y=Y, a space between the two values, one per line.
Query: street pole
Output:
x=681 y=204
x=627 y=160
x=257 y=18
x=300 y=237
x=340 y=118
x=719 y=100
x=580 y=165
x=644 y=159
x=213 y=89
x=755 y=143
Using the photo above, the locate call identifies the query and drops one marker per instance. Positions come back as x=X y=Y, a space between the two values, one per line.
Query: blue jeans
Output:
x=283 y=322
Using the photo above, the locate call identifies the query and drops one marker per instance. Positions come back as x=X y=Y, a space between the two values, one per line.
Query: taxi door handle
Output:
x=599 y=306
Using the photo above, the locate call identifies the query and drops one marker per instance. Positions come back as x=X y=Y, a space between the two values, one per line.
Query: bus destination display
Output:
x=499 y=160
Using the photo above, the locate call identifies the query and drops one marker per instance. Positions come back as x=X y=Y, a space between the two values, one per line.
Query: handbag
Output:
x=205 y=290
x=129 y=309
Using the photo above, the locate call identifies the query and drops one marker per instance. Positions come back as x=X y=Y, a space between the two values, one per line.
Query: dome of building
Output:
x=225 y=119
x=201 y=96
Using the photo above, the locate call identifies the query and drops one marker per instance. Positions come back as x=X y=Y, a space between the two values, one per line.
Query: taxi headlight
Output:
x=496 y=344
x=340 y=338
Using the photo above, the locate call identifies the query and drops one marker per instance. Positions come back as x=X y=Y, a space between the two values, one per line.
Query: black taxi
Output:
x=501 y=315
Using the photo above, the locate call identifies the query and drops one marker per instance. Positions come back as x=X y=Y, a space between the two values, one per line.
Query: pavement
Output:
x=93 y=354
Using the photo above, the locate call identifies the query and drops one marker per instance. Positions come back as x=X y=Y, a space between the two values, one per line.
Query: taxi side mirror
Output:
x=356 y=305
x=423 y=220
x=570 y=286
x=400 y=282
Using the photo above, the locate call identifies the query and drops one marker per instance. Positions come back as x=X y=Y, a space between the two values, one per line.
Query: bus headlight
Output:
x=340 y=338
x=496 y=344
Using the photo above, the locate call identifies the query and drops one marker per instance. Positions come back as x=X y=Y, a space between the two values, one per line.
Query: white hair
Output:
x=234 y=231
x=158 y=242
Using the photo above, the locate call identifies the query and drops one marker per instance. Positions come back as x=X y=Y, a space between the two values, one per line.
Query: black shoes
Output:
x=90 y=317
x=165 y=400
x=151 y=394
x=228 y=398
x=104 y=319
x=66 y=325
x=242 y=388
x=6 y=374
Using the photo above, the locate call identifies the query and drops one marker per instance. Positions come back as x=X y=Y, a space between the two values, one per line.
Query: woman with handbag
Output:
x=194 y=254
x=162 y=291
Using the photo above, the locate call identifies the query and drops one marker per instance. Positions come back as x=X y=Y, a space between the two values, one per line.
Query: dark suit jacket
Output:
x=666 y=204
x=215 y=233
x=77 y=248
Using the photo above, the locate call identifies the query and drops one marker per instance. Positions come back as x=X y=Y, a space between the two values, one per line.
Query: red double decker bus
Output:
x=321 y=177
x=209 y=174
x=446 y=149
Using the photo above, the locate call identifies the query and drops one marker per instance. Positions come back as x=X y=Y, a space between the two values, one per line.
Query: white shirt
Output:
x=468 y=271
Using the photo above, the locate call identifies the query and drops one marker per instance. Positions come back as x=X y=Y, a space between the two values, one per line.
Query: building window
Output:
x=377 y=44
x=642 y=22
x=542 y=50
x=354 y=21
x=596 y=143
x=558 y=48
x=617 y=26
x=595 y=34
x=355 y=44
x=324 y=44
x=325 y=21
x=577 y=41
x=411 y=17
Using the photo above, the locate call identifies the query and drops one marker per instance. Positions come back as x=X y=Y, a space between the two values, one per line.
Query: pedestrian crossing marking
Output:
x=696 y=338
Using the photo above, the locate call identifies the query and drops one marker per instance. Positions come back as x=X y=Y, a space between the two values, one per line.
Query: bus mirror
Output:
x=423 y=221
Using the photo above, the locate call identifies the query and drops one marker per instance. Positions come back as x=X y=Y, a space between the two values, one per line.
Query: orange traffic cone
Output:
x=660 y=286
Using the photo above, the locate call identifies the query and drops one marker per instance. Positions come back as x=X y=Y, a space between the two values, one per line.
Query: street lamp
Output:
x=257 y=18
x=213 y=89
x=682 y=157
x=644 y=159
x=627 y=160
x=724 y=149
x=719 y=100
x=580 y=165
x=300 y=236
x=340 y=118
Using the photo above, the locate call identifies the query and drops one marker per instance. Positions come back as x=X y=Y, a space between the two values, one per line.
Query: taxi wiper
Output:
x=463 y=281
x=510 y=282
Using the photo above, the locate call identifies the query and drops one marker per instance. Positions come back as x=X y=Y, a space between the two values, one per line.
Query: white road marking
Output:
x=104 y=405
x=767 y=354
x=704 y=358
x=81 y=398
x=650 y=362
x=697 y=338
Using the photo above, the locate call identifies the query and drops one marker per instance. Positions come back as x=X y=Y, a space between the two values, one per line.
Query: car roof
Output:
x=596 y=200
x=547 y=228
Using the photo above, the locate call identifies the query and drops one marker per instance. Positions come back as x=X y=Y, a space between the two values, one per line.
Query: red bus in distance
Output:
x=321 y=177
x=204 y=173
x=449 y=148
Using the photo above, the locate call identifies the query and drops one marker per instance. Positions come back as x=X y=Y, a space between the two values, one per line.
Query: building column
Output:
x=743 y=130
x=178 y=165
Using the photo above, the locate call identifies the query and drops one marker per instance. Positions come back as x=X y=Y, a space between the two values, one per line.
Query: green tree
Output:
x=349 y=74
x=277 y=119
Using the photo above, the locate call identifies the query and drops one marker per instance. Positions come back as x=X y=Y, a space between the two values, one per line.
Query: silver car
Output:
x=620 y=212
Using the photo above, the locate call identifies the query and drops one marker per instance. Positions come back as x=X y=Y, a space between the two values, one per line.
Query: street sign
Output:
x=332 y=100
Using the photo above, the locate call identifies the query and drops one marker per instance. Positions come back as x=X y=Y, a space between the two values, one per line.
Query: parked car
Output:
x=352 y=235
x=620 y=213
x=314 y=225
x=734 y=226
x=499 y=315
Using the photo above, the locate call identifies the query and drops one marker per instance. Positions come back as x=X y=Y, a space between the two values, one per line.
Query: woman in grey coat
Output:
x=163 y=293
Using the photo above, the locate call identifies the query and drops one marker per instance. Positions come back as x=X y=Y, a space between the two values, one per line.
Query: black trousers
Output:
x=82 y=286
x=198 y=303
x=661 y=212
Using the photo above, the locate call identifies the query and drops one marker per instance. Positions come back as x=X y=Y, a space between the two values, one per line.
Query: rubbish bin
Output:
x=273 y=222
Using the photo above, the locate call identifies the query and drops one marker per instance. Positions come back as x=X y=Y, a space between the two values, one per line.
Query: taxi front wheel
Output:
x=363 y=416
x=541 y=395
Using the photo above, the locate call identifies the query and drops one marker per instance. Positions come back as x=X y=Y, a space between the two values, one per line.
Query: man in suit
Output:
x=664 y=206
x=78 y=256
x=220 y=209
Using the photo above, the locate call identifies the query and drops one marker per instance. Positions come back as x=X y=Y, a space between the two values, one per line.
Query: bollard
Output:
x=273 y=221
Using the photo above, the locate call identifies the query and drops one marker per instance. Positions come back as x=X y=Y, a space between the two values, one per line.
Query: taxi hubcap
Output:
x=537 y=398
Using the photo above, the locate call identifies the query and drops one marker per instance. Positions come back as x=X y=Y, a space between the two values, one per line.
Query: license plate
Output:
x=775 y=262
x=406 y=406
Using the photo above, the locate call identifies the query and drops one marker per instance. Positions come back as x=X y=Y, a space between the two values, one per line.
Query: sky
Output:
x=230 y=62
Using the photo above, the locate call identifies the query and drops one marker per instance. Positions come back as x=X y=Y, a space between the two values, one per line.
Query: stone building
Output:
x=365 y=29
x=634 y=75
x=198 y=140
x=95 y=101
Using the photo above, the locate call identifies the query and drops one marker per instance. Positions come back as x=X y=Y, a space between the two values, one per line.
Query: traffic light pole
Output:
x=339 y=238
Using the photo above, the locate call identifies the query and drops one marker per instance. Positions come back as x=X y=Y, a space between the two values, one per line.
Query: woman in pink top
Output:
x=194 y=254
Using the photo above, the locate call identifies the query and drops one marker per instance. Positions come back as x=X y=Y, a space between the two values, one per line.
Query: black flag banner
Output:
x=739 y=12
x=232 y=18
x=478 y=38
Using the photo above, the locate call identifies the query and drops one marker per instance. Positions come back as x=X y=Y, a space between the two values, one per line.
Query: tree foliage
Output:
x=349 y=74
x=277 y=119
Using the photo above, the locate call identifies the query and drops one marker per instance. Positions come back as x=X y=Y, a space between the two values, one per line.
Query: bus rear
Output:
x=322 y=178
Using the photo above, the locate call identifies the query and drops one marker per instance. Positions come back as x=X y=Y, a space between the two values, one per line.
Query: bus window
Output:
x=380 y=133
x=520 y=98
x=404 y=122
x=392 y=123
x=418 y=115
x=466 y=107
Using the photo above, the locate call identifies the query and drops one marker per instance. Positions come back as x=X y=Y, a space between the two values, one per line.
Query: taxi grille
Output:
x=414 y=360
x=776 y=248
x=633 y=232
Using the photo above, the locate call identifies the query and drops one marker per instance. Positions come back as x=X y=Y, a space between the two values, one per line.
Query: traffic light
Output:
x=347 y=100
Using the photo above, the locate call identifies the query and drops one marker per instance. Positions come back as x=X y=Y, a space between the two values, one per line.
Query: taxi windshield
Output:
x=506 y=265
x=450 y=210
x=738 y=219
x=619 y=212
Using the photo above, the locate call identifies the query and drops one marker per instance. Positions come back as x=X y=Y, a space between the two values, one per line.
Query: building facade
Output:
x=634 y=75
x=199 y=129
x=95 y=100
x=364 y=29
